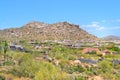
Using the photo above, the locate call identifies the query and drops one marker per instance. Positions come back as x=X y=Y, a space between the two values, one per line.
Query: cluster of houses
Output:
x=87 y=47
x=17 y=47
x=81 y=61
x=97 y=50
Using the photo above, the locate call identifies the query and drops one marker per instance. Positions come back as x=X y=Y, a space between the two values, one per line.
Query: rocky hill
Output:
x=111 y=37
x=42 y=31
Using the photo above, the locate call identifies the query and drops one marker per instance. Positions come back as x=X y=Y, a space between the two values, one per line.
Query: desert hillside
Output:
x=42 y=31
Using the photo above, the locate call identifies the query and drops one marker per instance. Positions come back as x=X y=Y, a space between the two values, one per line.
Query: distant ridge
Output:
x=43 y=31
x=111 y=37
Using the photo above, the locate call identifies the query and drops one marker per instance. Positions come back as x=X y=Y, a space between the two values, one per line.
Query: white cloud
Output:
x=94 y=26
x=109 y=21
x=101 y=28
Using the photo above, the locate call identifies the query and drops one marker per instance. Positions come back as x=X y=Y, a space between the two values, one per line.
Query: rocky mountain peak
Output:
x=35 y=24
x=42 y=31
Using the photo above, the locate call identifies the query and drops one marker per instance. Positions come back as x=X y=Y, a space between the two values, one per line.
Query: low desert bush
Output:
x=50 y=72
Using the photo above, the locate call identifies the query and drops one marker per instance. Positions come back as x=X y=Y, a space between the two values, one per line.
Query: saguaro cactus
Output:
x=5 y=49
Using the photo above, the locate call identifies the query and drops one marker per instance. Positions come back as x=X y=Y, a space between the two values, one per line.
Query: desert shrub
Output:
x=27 y=67
x=114 y=48
x=64 y=64
x=93 y=71
x=110 y=76
x=37 y=70
x=50 y=72
x=7 y=63
x=93 y=52
x=78 y=69
x=36 y=53
x=118 y=74
x=26 y=70
x=2 y=77
x=105 y=66
x=80 y=78
x=58 y=56
x=90 y=71
x=25 y=58
x=56 y=49
x=23 y=42
x=71 y=57
x=117 y=66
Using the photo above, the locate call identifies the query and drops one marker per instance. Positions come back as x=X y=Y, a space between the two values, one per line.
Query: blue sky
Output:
x=98 y=17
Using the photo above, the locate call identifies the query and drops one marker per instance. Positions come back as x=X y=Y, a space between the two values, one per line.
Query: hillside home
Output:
x=76 y=45
x=16 y=47
x=105 y=52
x=88 y=50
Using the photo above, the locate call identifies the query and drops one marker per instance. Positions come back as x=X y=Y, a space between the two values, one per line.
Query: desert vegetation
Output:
x=54 y=61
